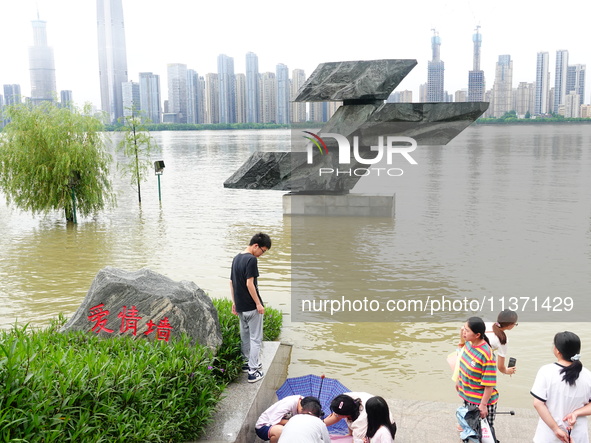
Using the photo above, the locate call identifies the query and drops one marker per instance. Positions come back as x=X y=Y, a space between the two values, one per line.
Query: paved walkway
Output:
x=433 y=422
x=417 y=421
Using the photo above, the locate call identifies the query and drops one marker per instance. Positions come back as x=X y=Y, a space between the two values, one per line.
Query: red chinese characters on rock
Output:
x=99 y=316
x=129 y=319
x=163 y=329
x=129 y=322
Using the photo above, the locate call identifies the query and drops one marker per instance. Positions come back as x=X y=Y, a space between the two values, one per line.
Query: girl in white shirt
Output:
x=379 y=427
x=562 y=394
x=506 y=320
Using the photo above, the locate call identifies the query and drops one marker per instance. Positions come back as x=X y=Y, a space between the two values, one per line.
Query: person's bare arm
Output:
x=233 y=302
x=547 y=418
x=252 y=290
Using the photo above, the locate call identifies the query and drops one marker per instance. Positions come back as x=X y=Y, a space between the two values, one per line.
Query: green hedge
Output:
x=76 y=387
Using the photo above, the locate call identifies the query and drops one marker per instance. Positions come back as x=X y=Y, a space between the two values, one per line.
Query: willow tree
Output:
x=137 y=145
x=54 y=159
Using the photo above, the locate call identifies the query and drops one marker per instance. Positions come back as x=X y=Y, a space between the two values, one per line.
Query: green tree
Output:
x=138 y=146
x=509 y=115
x=54 y=159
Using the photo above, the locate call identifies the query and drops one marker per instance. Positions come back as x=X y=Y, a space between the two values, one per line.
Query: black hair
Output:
x=476 y=325
x=345 y=405
x=311 y=405
x=569 y=346
x=506 y=317
x=261 y=239
x=378 y=414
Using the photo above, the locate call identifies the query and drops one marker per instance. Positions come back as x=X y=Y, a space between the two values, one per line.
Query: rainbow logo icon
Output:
x=318 y=142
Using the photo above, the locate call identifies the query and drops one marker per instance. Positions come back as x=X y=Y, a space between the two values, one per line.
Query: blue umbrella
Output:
x=325 y=389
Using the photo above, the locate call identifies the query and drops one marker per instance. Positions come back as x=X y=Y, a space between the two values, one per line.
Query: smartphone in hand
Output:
x=512 y=362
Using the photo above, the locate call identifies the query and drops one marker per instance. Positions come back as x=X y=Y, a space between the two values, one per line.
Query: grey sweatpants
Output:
x=251 y=337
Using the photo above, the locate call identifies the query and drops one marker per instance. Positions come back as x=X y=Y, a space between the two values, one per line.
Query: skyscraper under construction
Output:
x=436 y=68
x=476 y=83
x=41 y=66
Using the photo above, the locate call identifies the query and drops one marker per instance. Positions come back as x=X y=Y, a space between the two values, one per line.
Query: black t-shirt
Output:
x=244 y=266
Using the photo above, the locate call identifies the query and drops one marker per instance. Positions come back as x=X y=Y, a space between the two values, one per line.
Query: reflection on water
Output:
x=499 y=211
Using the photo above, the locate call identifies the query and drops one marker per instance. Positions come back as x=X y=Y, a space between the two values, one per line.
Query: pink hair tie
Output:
x=498 y=324
x=341 y=405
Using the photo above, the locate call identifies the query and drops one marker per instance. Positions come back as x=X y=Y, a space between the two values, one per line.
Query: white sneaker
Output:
x=255 y=376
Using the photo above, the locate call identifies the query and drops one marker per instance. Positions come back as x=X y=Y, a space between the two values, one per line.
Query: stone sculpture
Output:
x=145 y=304
x=362 y=86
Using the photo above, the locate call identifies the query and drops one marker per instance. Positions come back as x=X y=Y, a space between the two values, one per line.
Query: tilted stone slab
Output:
x=354 y=80
x=427 y=123
x=146 y=305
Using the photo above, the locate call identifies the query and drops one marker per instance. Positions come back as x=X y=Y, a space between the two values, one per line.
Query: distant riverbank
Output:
x=532 y=121
x=256 y=126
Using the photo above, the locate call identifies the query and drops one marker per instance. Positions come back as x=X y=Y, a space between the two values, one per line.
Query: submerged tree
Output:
x=138 y=146
x=54 y=159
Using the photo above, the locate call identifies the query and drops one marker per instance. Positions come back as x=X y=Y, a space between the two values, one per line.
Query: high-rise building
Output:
x=503 y=86
x=177 y=91
x=227 y=89
x=41 y=66
x=112 y=56
x=298 y=109
x=435 y=72
x=212 y=99
x=192 y=96
x=560 y=78
x=66 y=99
x=572 y=105
x=252 y=88
x=240 y=98
x=283 y=93
x=130 y=93
x=319 y=112
x=400 y=97
x=269 y=97
x=201 y=100
x=150 y=97
x=12 y=94
x=575 y=80
x=524 y=99
x=476 y=83
x=461 y=96
x=542 y=83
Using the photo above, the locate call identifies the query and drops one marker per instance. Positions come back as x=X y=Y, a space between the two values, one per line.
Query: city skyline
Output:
x=202 y=33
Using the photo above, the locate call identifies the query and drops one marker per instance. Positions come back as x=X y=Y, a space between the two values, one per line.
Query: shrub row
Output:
x=76 y=387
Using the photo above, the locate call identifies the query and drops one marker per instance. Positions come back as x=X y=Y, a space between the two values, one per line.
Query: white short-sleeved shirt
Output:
x=359 y=427
x=561 y=399
x=382 y=435
x=304 y=428
x=274 y=413
x=495 y=343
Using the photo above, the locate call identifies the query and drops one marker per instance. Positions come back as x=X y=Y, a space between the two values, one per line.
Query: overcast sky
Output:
x=196 y=32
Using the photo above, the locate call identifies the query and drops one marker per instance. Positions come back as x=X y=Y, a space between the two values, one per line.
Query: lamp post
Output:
x=159 y=169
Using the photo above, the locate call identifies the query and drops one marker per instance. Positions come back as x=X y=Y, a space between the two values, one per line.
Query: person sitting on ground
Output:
x=380 y=427
x=306 y=427
x=271 y=422
x=351 y=407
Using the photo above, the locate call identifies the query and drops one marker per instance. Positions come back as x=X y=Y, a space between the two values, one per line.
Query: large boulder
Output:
x=145 y=304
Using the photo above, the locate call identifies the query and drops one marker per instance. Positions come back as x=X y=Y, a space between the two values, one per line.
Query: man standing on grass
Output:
x=248 y=304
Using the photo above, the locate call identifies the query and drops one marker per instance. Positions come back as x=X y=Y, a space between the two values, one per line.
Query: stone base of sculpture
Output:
x=352 y=205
